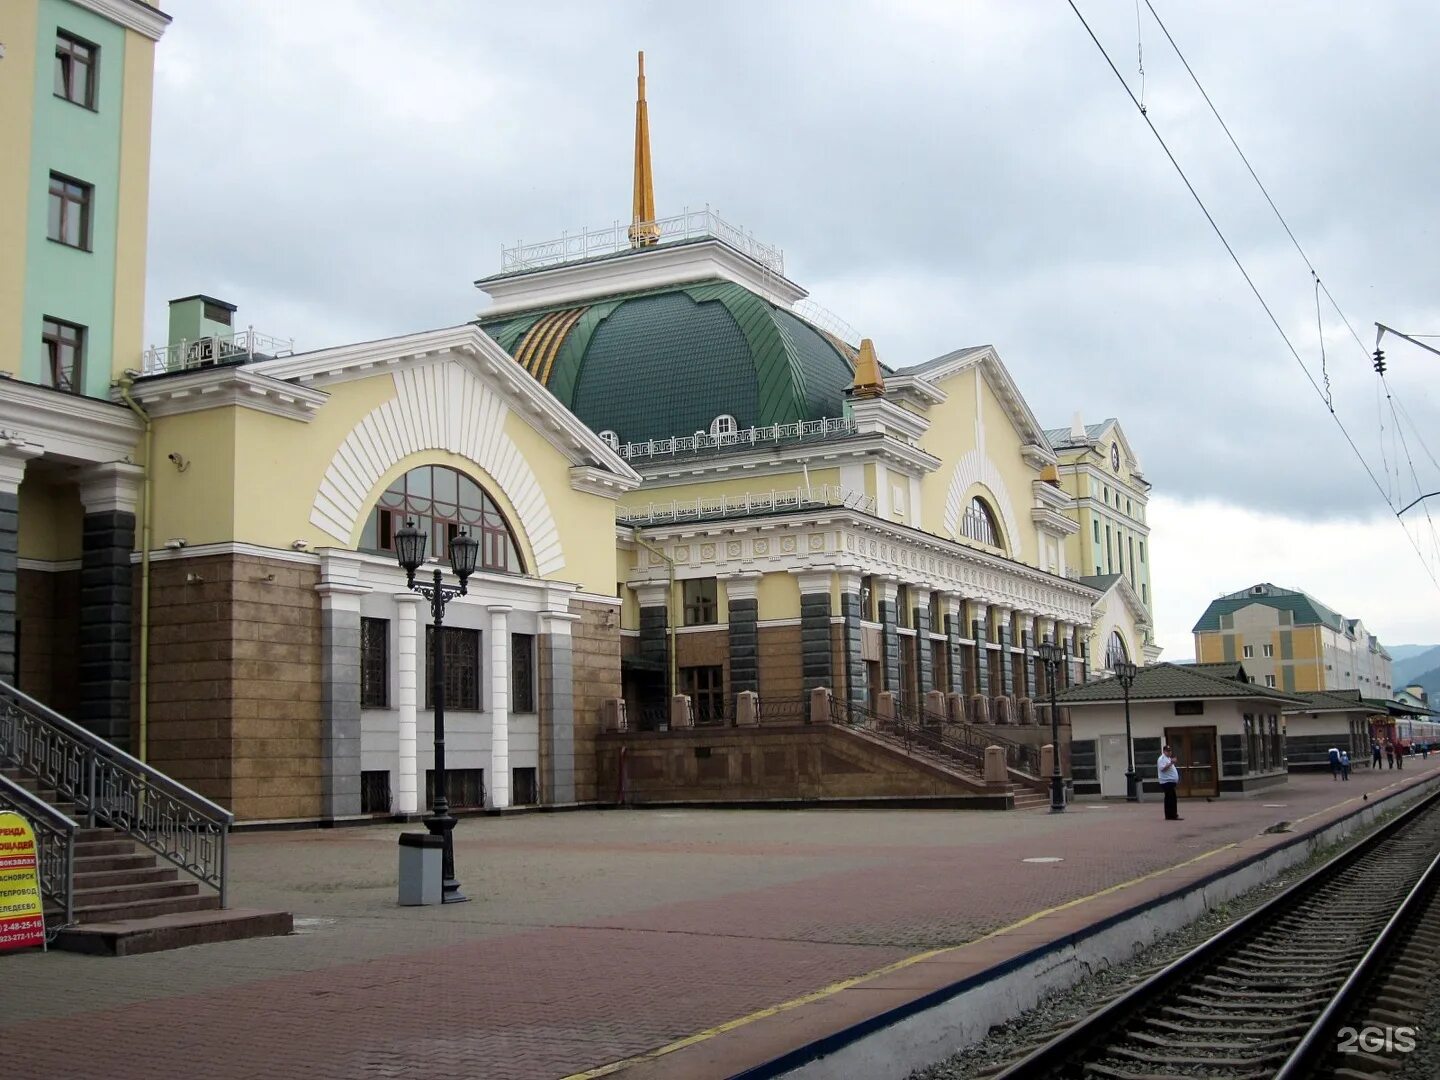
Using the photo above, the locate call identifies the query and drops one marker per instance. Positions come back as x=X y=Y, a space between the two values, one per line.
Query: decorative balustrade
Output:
x=770 y=435
x=725 y=506
x=940 y=736
x=111 y=788
x=54 y=844
x=609 y=239
x=238 y=348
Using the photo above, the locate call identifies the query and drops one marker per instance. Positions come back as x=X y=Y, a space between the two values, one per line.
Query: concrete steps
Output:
x=176 y=930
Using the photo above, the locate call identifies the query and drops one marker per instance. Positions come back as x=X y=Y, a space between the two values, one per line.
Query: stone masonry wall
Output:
x=48 y=612
x=781 y=671
x=595 y=641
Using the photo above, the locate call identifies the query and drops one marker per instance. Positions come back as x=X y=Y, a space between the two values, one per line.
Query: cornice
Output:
x=142 y=18
x=904 y=387
x=1053 y=522
x=787 y=458
x=66 y=425
x=646 y=268
x=876 y=416
x=225 y=387
x=595 y=481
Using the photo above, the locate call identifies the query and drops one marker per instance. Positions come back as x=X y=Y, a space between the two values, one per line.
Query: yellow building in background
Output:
x=1289 y=641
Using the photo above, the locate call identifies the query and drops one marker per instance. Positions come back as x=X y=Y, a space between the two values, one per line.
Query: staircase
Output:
x=146 y=869
x=957 y=748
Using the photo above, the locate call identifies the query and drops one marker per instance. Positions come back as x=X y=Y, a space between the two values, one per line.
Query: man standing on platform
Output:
x=1169 y=777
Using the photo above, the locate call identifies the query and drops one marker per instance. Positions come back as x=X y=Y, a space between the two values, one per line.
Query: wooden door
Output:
x=1195 y=749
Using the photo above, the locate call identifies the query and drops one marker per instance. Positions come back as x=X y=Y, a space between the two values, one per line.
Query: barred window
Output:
x=462 y=668
x=522 y=673
x=706 y=687
x=375 y=663
x=1115 y=650
x=463 y=787
x=979 y=523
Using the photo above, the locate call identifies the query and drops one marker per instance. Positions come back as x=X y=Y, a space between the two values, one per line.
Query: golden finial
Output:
x=868 y=382
x=643 y=230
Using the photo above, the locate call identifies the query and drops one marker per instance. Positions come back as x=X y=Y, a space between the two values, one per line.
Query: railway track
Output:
x=1325 y=979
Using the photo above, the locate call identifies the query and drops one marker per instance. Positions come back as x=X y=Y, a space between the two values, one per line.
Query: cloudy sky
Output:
x=938 y=174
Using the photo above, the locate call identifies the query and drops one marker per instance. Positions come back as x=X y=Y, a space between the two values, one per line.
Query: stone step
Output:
x=122 y=846
x=88 y=899
x=129 y=860
x=98 y=835
x=146 y=909
x=127 y=937
x=86 y=880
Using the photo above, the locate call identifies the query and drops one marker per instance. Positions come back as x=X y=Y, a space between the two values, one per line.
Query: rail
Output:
x=54 y=843
x=959 y=741
x=1020 y=757
x=783 y=710
x=747 y=438
x=727 y=506
x=615 y=237
x=1281 y=916
x=109 y=786
x=240 y=347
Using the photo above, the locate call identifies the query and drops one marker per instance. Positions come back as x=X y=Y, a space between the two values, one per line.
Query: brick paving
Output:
x=593 y=936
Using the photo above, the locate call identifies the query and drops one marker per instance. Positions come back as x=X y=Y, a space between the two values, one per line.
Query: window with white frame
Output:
x=1270 y=681
x=724 y=424
x=1268 y=650
x=610 y=439
x=1248 y=652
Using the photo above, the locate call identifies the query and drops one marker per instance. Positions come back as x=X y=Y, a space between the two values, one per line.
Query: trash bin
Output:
x=420 y=859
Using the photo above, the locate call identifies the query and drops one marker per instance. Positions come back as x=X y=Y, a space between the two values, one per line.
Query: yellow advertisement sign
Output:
x=22 y=919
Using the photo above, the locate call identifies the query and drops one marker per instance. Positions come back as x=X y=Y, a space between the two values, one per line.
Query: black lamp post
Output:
x=410 y=553
x=1125 y=671
x=1054 y=657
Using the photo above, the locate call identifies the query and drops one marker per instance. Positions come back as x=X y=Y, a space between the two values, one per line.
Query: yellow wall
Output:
x=19 y=24
x=134 y=203
x=52 y=520
x=778 y=597
x=952 y=435
x=253 y=477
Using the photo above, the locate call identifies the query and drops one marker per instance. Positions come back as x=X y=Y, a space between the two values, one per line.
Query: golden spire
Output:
x=643 y=230
x=869 y=382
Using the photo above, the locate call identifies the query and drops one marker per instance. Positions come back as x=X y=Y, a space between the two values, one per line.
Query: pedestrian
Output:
x=1425 y=751
x=1400 y=749
x=1345 y=764
x=1334 y=763
x=1375 y=753
x=1169 y=776
x=1390 y=754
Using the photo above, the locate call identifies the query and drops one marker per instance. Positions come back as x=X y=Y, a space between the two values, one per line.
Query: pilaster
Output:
x=108 y=493
x=980 y=631
x=887 y=589
x=952 y=608
x=742 y=598
x=407 y=793
x=557 y=726
x=856 y=688
x=498 y=779
x=924 y=657
x=12 y=471
x=340 y=594
x=815 y=653
x=1002 y=635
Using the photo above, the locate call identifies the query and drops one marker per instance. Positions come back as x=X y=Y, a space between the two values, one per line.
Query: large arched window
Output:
x=979 y=523
x=442 y=501
x=1115 y=650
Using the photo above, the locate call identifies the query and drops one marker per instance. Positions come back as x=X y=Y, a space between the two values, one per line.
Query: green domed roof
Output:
x=669 y=361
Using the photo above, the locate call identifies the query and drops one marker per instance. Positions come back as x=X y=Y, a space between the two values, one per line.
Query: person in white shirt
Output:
x=1169 y=777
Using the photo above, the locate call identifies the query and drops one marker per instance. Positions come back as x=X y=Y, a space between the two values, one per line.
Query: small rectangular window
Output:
x=76 y=66
x=522 y=673
x=1096 y=523
x=1269 y=650
x=1270 y=681
x=375 y=664
x=69 y=216
x=375 y=791
x=1248 y=652
x=706 y=687
x=464 y=788
x=462 y=668
x=701 y=607
x=1142 y=550
x=64 y=355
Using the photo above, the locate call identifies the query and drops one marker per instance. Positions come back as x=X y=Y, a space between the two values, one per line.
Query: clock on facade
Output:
x=1115 y=456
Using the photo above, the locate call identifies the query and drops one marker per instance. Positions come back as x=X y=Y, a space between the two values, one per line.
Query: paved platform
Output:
x=666 y=943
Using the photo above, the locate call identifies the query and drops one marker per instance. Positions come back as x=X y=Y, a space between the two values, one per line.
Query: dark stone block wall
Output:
x=9 y=554
x=744 y=646
x=889 y=645
x=105 y=625
x=924 y=666
x=856 y=689
x=815 y=639
x=982 y=661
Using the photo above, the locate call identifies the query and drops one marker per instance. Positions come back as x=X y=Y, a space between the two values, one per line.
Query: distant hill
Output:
x=1404 y=652
x=1430 y=680
x=1424 y=661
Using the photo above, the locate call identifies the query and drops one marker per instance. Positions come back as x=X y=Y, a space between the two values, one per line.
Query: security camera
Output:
x=175 y=543
x=299 y=545
x=179 y=461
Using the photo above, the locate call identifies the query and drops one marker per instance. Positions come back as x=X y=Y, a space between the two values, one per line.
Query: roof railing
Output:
x=709 y=508
x=239 y=347
x=609 y=239
x=702 y=442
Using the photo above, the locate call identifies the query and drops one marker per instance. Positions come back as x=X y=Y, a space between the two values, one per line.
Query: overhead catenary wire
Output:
x=1239 y=265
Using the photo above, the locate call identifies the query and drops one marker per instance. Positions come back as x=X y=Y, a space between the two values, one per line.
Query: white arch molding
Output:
x=436 y=407
x=975 y=468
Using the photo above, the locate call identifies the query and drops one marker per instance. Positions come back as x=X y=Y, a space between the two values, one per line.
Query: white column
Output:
x=497 y=779
x=407 y=794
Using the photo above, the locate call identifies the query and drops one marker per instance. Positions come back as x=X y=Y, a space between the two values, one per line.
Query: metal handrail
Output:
x=795 y=710
x=723 y=506
x=745 y=438
x=109 y=785
x=54 y=841
x=240 y=346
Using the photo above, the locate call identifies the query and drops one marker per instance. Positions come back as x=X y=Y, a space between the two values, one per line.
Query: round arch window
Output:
x=610 y=439
x=979 y=524
x=724 y=424
x=442 y=501
x=1115 y=650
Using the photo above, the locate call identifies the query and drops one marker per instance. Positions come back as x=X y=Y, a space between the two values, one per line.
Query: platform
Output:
x=628 y=943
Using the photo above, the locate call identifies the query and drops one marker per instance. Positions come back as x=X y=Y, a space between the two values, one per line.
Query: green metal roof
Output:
x=1335 y=701
x=1306 y=609
x=649 y=365
x=1173 y=682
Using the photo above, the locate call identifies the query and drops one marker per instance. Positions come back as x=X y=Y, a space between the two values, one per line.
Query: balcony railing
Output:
x=771 y=435
x=747 y=505
x=238 y=348
x=589 y=243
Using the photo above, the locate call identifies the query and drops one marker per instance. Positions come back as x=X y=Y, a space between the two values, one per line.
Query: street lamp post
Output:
x=1125 y=671
x=410 y=553
x=1054 y=657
